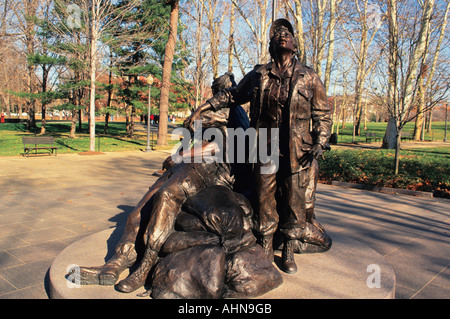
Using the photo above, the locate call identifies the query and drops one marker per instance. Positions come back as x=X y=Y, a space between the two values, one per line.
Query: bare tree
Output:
x=330 y=55
x=428 y=73
x=318 y=35
x=321 y=25
x=401 y=92
x=215 y=20
x=105 y=18
x=12 y=63
x=231 y=43
x=296 y=12
x=259 y=10
x=25 y=12
x=199 y=71
x=368 y=30
x=201 y=46
x=48 y=63
x=100 y=22
x=167 y=71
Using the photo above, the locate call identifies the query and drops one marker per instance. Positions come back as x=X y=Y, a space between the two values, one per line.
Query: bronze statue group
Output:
x=208 y=229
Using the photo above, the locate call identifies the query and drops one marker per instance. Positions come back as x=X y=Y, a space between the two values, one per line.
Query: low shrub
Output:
x=420 y=169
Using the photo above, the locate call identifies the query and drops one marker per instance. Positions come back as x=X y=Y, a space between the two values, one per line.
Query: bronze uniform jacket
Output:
x=307 y=103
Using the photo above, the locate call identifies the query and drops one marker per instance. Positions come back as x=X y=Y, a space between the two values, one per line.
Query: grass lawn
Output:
x=116 y=140
x=345 y=134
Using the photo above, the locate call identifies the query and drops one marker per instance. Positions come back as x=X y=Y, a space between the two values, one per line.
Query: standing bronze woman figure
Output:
x=289 y=96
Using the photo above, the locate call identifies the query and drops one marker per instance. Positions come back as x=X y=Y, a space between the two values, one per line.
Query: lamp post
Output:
x=149 y=82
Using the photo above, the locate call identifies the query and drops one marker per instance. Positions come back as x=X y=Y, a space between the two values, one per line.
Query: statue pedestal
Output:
x=348 y=270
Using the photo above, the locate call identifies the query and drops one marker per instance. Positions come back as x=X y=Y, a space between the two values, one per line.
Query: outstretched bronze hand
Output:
x=315 y=152
x=195 y=116
x=189 y=121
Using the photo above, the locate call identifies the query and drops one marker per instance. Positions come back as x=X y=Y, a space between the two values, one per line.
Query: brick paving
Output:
x=47 y=203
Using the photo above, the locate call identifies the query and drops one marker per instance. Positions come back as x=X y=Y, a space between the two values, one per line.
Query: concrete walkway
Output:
x=47 y=203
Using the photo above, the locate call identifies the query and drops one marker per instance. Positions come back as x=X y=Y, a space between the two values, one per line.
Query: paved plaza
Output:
x=49 y=202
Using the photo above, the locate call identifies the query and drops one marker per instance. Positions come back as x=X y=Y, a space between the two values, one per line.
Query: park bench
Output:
x=407 y=136
x=38 y=142
x=371 y=136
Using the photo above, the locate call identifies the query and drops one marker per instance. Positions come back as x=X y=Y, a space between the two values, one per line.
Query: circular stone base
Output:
x=348 y=270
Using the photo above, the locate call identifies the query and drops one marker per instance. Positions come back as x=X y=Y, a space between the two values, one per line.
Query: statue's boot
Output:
x=287 y=257
x=137 y=279
x=267 y=244
x=109 y=272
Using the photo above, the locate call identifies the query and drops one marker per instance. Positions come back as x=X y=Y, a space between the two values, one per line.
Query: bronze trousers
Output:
x=183 y=181
x=282 y=198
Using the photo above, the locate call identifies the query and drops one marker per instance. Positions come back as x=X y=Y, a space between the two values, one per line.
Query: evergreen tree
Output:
x=145 y=55
x=70 y=30
x=45 y=61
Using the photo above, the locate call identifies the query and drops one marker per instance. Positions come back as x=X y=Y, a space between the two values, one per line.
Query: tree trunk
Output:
x=105 y=129
x=80 y=120
x=331 y=44
x=333 y=117
x=260 y=34
x=318 y=37
x=127 y=119
x=133 y=114
x=264 y=44
x=231 y=40
x=44 y=109
x=398 y=137
x=344 y=105
x=30 y=13
x=236 y=55
x=214 y=33
x=446 y=120
x=358 y=109
x=343 y=117
x=93 y=64
x=199 y=56
x=417 y=55
x=365 y=114
x=420 y=105
x=360 y=77
x=31 y=120
x=110 y=89
x=167 y=70
x=419 y=125
x=298 y=16
x=44 y=103
x=389 y=139
x=73 y=125
x=7 y=97
x=430 y=116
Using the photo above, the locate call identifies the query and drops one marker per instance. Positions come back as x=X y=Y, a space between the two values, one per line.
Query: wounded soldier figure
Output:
x=197 y=232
